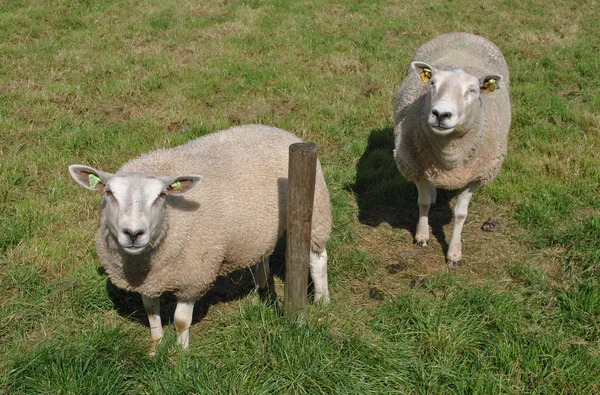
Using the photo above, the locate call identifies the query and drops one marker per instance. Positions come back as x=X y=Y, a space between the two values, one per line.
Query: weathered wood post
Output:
x=301 y=191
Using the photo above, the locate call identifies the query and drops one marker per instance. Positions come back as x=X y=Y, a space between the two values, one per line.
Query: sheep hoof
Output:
x=453 y=263
x=153 y=346
x=422 y=243
x=267 y=296
x=321 y=297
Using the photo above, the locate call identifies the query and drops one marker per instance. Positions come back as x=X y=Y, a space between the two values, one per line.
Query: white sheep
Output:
x=452 y=116
x=151 y=239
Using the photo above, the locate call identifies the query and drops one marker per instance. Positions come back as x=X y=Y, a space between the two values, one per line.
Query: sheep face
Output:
x=134 y=206
x=134 y=203
x=453 y=97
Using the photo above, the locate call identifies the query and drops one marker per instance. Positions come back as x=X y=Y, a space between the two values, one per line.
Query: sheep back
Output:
x=232 y=221
x=480 y=153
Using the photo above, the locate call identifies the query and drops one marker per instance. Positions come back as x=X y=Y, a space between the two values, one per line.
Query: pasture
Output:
x=98 y=82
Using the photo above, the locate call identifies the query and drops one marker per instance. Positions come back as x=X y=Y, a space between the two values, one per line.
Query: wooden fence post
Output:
x=301 y=190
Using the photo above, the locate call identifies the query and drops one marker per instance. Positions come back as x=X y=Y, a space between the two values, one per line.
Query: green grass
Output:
x=98 y=82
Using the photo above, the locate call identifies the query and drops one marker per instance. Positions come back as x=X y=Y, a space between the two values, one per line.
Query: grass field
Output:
x=98 y=82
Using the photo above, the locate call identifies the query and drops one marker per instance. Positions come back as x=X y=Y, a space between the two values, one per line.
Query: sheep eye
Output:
x=470 y=92
x=110 y=195
x=160 y=197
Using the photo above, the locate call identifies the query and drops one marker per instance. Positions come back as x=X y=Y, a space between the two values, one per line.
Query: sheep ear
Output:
x=423 y=70
x=182 y=185
x=490 y=82
x=89 y=178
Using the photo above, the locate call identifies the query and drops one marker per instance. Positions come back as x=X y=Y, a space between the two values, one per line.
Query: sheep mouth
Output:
x=133 y=249
x=441 y=130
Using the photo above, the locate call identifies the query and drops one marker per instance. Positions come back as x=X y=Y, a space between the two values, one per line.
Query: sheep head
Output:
x=452 y=102
x=134 y=203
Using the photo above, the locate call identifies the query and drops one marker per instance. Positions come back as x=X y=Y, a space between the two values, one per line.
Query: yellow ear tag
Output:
x=176 y=185
x=94 y=180
x=426 y=75
x=490 y=85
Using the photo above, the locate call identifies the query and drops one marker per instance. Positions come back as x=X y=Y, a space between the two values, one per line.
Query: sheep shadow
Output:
x=227 y=288
x=384 y=195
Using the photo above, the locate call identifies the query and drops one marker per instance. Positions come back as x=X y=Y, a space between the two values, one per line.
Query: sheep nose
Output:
x=441 y=116
x=133 y=234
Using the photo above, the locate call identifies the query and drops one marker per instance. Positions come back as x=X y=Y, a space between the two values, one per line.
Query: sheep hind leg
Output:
x=183 y=319
x=454 y=255
x=318 y=273
x=261 y=275
x=425 y=196
x=152 y=307
x=264 y=286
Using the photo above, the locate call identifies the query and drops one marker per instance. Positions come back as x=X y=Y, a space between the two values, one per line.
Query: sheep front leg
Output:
x=318 y=273
x=425 y=195
x=460 y=215
x=152 y=307
x=183 y=320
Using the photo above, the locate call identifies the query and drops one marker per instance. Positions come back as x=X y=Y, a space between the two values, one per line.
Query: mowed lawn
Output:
x=99 y=82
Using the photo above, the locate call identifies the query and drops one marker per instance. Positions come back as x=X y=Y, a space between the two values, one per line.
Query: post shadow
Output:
x=384 y=195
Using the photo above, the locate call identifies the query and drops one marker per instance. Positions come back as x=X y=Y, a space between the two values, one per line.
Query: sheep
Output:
x=452 y=115
x=152 y=240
